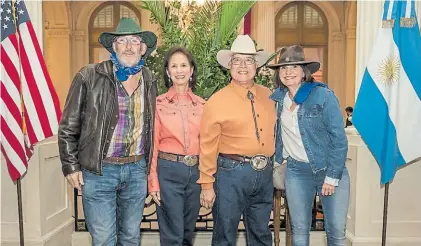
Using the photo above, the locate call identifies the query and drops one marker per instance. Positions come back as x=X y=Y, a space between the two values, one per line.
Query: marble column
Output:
x=57 y=45
x=336 y=63
x=350 y=68
x=58 y=59
x=263 y=25
x=80 y=43
x=350 y=61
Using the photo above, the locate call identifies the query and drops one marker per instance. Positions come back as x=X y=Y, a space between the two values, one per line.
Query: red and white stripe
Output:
x=42 y=107
x=27 y=77
x=12 y=137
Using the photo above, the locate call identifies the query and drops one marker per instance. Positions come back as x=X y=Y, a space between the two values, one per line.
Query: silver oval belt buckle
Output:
x=190 y=160
x=259 y=162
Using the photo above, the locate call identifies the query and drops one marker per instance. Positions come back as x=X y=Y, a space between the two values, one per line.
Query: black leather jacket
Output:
x=90 y=116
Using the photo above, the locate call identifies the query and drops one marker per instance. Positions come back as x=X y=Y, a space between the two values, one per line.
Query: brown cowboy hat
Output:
x=294 y=55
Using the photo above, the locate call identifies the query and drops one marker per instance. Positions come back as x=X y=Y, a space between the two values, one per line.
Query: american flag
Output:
x=26 y=88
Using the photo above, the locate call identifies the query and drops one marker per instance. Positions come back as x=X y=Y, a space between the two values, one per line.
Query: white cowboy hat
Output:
x=243 y=44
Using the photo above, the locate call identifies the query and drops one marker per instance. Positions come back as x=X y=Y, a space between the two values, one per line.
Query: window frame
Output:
x=300 y=31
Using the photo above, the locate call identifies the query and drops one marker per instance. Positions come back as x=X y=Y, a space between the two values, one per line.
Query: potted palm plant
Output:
x=204 y=30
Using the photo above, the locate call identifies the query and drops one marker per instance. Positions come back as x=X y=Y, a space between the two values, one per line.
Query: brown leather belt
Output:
x=236 y=157
x=257 y=162
x=124 y=160
x=189 y=160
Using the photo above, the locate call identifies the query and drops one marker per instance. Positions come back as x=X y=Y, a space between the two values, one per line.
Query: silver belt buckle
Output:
x=259 y=162
x=190 y=160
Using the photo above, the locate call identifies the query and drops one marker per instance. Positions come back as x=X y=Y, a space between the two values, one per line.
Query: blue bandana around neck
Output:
x=123 y=72
x=304 y=91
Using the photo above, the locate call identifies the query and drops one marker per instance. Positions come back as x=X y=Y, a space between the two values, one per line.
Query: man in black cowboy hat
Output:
x=105 y=135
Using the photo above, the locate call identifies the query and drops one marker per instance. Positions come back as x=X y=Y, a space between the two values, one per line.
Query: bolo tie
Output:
x=250 y=96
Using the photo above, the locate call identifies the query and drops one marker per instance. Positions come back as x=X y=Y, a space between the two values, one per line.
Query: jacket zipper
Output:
x=103 y=122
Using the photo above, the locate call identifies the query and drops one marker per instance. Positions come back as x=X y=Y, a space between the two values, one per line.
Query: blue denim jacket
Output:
x=322 y=131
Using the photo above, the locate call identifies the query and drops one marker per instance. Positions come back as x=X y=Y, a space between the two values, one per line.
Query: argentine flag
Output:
x=387 y=113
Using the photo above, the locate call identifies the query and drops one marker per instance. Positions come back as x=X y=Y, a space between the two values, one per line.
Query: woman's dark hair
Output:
x=307 y=76
x=184 y=51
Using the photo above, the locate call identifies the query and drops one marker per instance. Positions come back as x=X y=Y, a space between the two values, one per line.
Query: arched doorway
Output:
x=305 y=24
x=105 y=18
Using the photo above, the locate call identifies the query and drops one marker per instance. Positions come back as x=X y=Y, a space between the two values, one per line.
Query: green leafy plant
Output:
x=204 y=30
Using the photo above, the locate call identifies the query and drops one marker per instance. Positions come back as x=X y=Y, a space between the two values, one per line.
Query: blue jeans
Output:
x=301 y=185
x=180 y=202
x=241 y=190
x=113 y=203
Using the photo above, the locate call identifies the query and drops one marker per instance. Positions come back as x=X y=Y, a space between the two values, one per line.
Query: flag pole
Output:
x=18 y=183
x=20 y=212
x=385 y=206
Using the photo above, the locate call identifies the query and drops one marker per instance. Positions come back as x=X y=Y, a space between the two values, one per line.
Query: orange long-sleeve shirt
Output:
x=176 y=129
x=227 y=127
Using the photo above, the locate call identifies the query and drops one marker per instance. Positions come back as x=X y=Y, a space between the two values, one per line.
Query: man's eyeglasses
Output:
x=239 y=61
x=126 y=40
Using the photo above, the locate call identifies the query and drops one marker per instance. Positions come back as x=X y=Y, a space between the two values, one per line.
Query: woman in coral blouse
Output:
x=174 y=171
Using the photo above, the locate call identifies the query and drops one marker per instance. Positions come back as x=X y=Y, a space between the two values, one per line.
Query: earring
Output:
x=190 y=79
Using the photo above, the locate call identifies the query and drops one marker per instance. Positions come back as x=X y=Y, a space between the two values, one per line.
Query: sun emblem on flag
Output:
x=389 y=70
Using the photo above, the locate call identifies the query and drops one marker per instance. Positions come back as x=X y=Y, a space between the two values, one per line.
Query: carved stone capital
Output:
x=79 y=35
x=57 y=33
x=350 y=33
x=337 y=36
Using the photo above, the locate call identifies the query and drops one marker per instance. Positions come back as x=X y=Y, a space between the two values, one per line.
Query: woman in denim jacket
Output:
x=311 y=138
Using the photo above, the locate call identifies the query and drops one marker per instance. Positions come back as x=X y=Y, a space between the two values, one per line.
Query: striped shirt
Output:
x=127 y=138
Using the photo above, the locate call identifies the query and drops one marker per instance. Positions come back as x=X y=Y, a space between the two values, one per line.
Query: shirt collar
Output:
x=279 y=94
x=242 y=92
x=171 y=94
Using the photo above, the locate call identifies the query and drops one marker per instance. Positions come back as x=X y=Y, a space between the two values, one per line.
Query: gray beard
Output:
x=128 y=64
